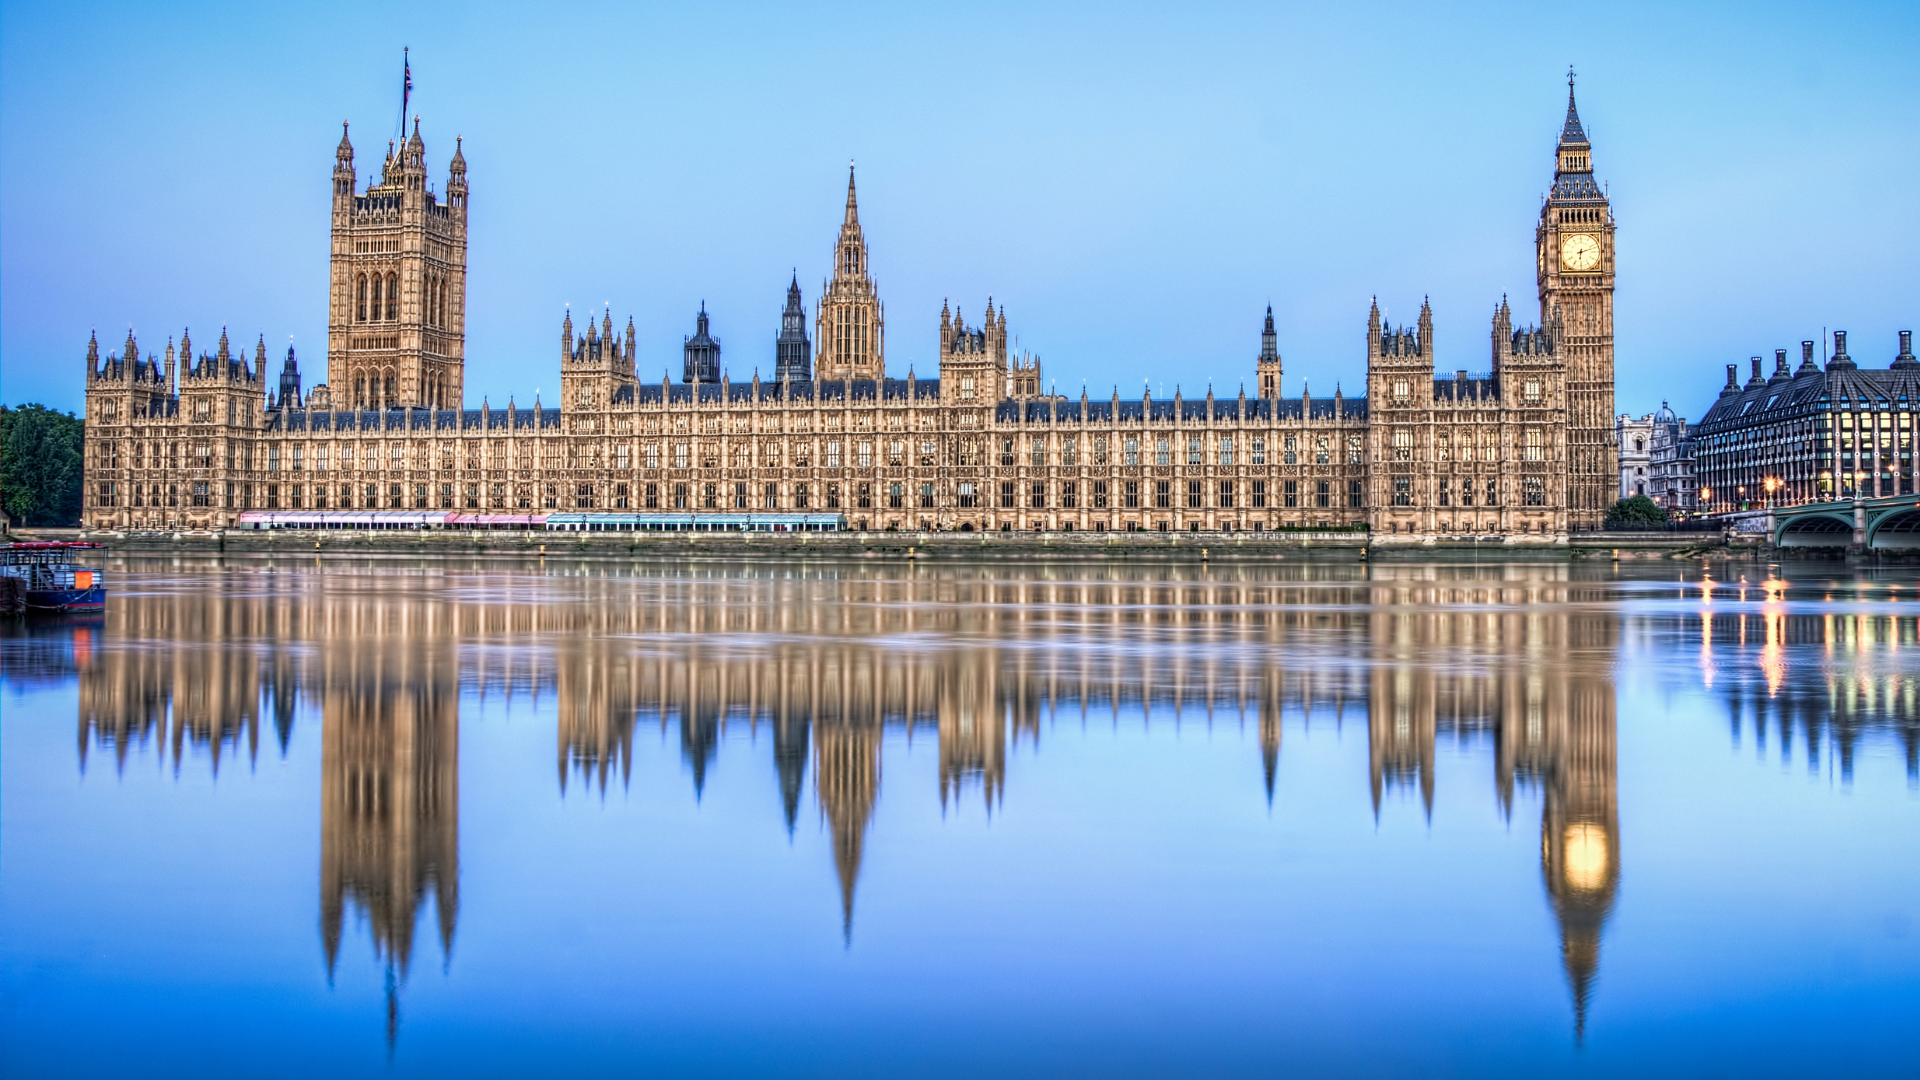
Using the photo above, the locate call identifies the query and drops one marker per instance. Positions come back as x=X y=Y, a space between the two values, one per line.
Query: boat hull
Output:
x=89 y=599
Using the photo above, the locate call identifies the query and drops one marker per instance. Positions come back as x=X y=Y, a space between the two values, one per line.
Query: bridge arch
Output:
x=1898 y=530
x=1815 y=530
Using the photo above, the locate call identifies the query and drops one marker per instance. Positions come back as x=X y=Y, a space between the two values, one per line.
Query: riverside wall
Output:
x=1338 y=545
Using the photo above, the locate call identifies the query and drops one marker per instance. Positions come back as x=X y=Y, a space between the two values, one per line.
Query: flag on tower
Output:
x=406 y=88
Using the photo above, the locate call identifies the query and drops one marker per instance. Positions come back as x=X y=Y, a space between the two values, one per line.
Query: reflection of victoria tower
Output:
x=390 y=803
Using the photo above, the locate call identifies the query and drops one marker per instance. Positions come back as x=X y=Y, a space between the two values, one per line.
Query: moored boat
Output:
x=50 y=576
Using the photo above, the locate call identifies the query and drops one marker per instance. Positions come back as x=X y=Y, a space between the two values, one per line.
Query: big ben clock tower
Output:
x=1574 y=248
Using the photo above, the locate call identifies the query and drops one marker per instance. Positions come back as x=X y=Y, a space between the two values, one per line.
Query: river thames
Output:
x=882 y=818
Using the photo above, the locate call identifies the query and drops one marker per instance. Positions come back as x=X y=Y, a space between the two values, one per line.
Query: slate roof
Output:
x=1477 y=388
x=1842 y=384
x=808 y=390
x=1102 y=411
x=288 y=420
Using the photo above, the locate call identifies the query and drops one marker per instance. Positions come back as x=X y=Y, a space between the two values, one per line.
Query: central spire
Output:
x=849 y=338
x=1571 y=133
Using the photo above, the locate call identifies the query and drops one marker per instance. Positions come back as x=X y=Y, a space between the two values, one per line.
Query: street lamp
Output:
x=1772 y=485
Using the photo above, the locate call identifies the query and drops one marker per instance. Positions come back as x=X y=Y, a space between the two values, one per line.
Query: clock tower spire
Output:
x=1573 y=246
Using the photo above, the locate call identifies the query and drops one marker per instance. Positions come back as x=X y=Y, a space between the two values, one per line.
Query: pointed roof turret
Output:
x=459 y=162
x=1571 y=133
x=343 y=152
x=853 y=208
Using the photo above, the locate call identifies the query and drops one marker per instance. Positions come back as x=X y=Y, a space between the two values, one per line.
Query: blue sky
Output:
x=1134 y=183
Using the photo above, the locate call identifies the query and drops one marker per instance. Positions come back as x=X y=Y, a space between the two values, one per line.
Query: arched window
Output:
x=360 y=384
x=393 y=298
x=360 y=311
x=389 y=388
x=376 y=298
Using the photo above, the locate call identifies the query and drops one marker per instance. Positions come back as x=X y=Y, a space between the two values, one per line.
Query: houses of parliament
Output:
x=1519 y=451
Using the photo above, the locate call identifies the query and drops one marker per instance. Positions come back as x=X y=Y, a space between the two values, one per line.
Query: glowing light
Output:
x=1587 y=856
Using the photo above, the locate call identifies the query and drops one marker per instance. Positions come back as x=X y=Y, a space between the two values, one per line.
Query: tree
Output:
x=1638 y=512
x=40 y=465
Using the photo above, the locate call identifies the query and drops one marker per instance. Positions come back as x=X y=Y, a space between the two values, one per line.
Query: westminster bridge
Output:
x=1886 y=523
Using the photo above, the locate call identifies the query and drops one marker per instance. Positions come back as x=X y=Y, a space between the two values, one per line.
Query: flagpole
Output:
x=406 y=88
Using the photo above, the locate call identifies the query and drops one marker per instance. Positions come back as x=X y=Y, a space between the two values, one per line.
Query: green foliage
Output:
x=1638 y=512
x=40 y=465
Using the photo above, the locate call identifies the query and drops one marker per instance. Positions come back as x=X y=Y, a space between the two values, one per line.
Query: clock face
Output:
x=1580 y=251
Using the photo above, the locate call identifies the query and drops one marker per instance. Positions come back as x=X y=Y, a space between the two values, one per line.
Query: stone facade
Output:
x=1671 y=478
x=850 y=332
x=1656 y=460
x=396 y=321
x=1635 y=440
x=1574 y=247
x=1496 y=455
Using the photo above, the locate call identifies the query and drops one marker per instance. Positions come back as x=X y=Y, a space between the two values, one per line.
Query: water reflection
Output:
x=1865 y=690
x=390 y=784
x=832 y=663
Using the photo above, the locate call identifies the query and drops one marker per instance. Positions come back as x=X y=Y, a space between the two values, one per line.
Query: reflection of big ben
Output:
x=1539 y=675
x=390 y=791
x=1556 y=729
x=1580 y=830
